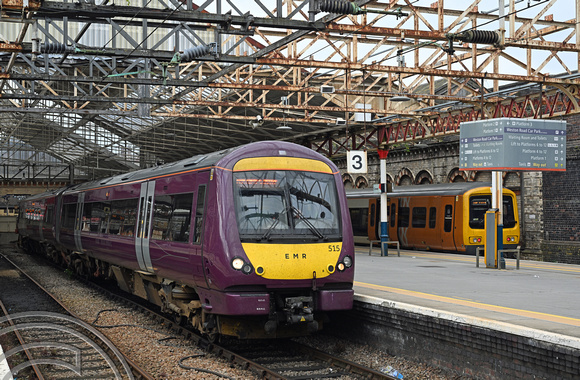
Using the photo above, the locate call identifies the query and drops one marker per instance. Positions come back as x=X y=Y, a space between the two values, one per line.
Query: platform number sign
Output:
x=357 y=161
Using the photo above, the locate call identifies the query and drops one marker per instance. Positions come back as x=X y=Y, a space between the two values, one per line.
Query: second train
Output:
x=441 y=217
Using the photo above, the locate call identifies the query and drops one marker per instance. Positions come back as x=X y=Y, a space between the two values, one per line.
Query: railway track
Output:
x=42 y=339
x=273 y=359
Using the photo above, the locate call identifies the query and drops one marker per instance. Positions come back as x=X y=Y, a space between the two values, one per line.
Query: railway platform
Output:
x=539 y=300
x=495 y=323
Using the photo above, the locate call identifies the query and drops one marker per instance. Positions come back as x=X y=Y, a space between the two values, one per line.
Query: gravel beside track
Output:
x=150 y=345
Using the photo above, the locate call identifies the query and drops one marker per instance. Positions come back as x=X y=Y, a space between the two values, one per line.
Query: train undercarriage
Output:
x=290 y=315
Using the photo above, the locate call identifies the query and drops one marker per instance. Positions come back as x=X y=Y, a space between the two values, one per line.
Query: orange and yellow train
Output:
x=445 y=217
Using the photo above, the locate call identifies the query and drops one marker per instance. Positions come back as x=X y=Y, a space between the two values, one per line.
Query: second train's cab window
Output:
x=478 y=205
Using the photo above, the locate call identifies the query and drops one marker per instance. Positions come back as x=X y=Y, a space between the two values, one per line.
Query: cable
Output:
x=160 y=341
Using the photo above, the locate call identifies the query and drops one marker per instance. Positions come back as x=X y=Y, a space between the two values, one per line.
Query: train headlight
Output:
x=347 y=261
x=340 y=267
x=237 y=263
x=331 y=268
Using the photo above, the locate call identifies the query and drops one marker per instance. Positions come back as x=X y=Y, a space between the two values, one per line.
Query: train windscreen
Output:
x=478 y=206
x=283 y=204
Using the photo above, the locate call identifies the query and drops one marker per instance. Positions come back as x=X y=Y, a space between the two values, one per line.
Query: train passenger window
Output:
x=448 y=220
x=373 y=214
x=199 y=209
x=432 y=217
x=99 y=216
x=393 y=212
x=162 y=209
x=86 y=217
x=123 y=217
x=403 y=216
x=69 y=213
x=419 y=217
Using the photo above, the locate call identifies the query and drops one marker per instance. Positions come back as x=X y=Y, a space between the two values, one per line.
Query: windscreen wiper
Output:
x=311 y=227
x=267 y=234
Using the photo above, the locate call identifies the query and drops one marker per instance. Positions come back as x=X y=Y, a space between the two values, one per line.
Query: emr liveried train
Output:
x=253 y=241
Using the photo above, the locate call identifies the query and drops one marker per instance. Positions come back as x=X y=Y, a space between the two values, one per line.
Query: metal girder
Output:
x=120 y=69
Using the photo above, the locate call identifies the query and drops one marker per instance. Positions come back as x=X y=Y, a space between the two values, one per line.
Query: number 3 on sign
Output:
x=357 y=161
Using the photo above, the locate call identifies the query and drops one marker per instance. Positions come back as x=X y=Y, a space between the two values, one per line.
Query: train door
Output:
x=142 y=238
x=447 y=230
x=197 y=259
x=373 y=229
x=79 y=222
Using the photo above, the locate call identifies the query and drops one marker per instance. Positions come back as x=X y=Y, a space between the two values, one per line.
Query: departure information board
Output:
x=513 y=144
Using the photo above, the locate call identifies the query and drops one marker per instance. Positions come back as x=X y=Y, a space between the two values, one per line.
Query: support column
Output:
x=384 y=203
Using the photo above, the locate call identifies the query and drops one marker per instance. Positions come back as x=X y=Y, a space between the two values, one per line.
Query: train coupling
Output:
x=298 y=310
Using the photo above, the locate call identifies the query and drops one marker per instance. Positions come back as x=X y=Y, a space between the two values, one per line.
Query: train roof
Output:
x=454 y=188
x=197 y=162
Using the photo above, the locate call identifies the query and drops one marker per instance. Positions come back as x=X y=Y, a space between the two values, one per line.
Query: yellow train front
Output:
x=444 y=217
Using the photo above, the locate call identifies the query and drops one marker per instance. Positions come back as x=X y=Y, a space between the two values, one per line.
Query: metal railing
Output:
x=388 y=243
x=500 y=251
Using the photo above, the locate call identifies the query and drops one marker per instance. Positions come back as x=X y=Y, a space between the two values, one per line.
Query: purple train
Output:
x=253 y=241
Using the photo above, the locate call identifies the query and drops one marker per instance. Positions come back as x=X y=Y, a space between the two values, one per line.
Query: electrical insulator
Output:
x=489 y=37
x=195 y=52
x=54 y=48
x=340 y=7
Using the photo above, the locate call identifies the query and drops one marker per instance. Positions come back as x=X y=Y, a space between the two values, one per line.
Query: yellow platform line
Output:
x=465 y=259
x=477 y=305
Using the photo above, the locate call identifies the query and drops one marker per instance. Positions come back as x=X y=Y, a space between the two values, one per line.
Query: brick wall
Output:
x=561 y=204
x=462 y=350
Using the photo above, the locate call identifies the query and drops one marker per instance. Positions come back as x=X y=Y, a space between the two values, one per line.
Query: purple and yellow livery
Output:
x=253 y=241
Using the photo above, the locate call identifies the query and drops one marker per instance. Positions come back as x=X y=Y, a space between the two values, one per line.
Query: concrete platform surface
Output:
x=540 y=300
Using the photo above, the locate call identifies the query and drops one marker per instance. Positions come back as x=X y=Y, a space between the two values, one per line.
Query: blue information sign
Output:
x=513 y=144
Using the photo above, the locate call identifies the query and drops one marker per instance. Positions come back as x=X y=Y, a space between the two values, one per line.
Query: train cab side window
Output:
x=393 y=212
x=432 y=217
x=403 y=216
x=199 y=209
x=419 y=217
x=181 y=217
x=172 y=217
x=448 y=219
